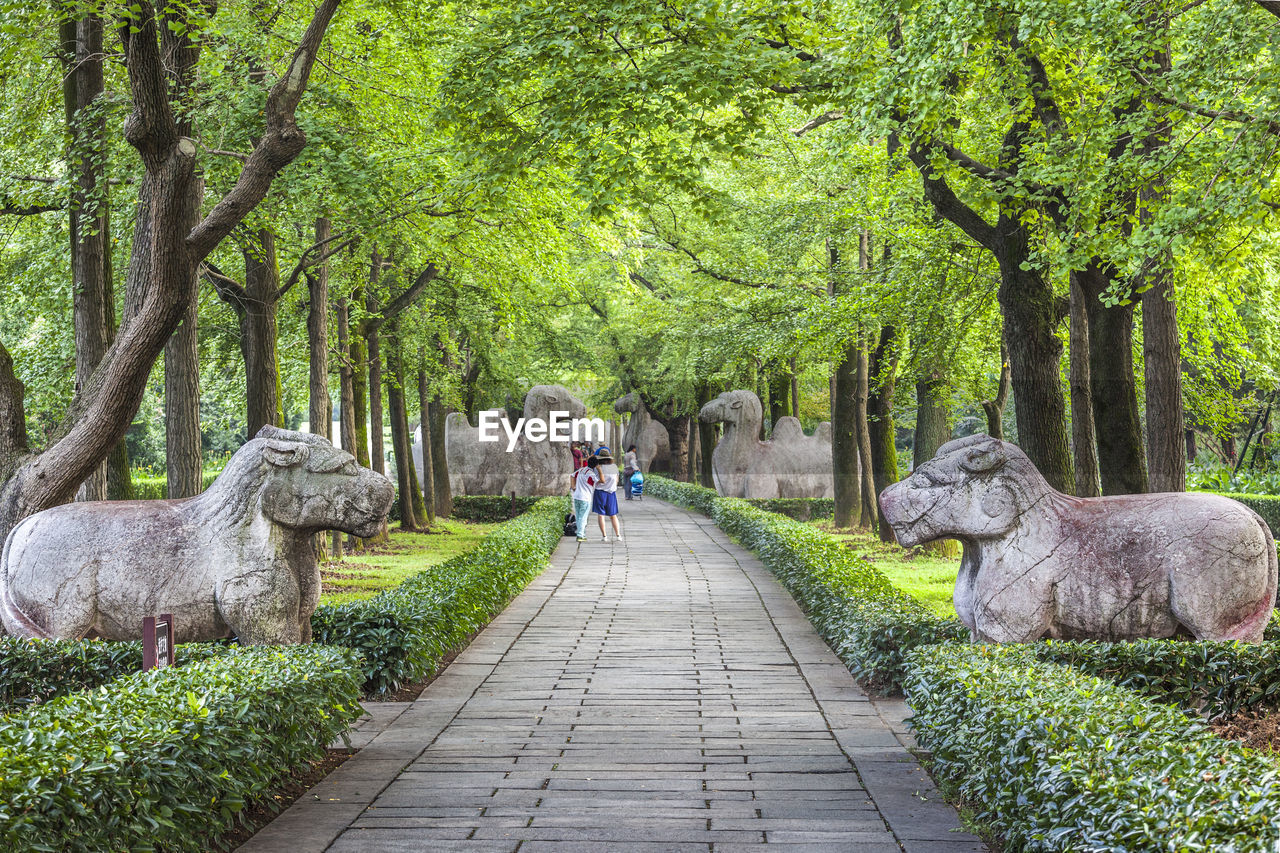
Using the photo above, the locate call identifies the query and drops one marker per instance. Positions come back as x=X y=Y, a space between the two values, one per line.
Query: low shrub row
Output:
x=167 y=759
x=34 y=671
x=402 y=634
x=801 y=509
x=687 y=495
x=1056 y=759
x=491 y=508
x=1267 y=506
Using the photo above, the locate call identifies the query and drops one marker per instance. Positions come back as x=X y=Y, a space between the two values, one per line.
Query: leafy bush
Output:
x=1056 y=759
x=34 y=671
x=1214 y=679
x=490 y=508
x=686 y=495
x=157 y=488
x=402 y=634
x=167 y=759
x=801 y=509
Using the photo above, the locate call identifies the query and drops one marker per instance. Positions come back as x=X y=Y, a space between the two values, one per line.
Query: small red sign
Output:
x=157 y=641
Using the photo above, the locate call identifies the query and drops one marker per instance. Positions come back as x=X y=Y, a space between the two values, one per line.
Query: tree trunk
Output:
x=868 y=517
x=319 y=405
x=1162 y=362
x=88 y=210
x=779 y=396
x=932 y=419
x=678 y=430
x=377 y=453
x=258 y=333
x=428 y=472
x=359 y=356
x=994 y=409
x=182 y=451
x=1112 y=386
x=1035 y=354
x=400 y=434
x=346 y=393
x=1088 y=484
x=440 y=462
x=844 y=438
x=1191 y=444
x=884 y=454
x=795 y=387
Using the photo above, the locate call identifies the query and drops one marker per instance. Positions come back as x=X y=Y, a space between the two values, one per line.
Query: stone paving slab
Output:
x=662 y=694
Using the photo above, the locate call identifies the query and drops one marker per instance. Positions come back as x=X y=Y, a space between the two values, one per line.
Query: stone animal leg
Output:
x=1021 y=613
x=261 y=608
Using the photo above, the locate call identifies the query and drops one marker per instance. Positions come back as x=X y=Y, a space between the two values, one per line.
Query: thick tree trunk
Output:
x=440 y=461
x=678 y=430
x=1088 y=484
x=844 y=438
x=183 y=453
x=932 y=419
x=258 y=333
x=779 y=396
x=319 y=405
x=346 y=393
x=795 y=387
x=359 y=356
x=406 y=489
x=428 y=467
x=884 y=453
x=1112 y=386
x=1035 y=354
x=1166 y=419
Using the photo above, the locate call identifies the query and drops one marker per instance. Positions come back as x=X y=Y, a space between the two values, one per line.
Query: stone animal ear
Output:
x=285 y=454
x=983 y=460
x=736 y=404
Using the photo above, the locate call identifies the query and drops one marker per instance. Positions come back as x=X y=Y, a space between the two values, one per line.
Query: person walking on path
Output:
x=630 y=465
x=582 y=486
x=605 y=502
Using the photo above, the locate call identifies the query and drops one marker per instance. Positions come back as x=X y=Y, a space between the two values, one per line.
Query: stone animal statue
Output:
x=532 y=468
x=235 y=561
x=789 y=465
x=653 y=444
x=1040 y=563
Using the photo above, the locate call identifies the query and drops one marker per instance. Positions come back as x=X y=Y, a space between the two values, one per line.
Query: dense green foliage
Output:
x=1055 y=759
x=801 y=509
x=489 y=508
x=34 y=671
x=401 y=635
x=166 y=759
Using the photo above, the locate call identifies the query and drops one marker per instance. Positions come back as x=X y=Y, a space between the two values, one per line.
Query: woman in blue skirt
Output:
x=605 y=500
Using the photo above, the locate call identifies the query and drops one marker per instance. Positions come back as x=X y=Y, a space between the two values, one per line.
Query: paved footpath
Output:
x=662 y=694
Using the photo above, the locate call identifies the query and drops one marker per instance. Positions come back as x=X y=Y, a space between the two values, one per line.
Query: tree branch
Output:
x=13 y=417
x=30 y=210
x=229 y=290
x=818 y=121
x=282 y=141
x=796 y=52
x=306 y=262
x=1272 y=6
x=1271 y=125
x=406 y=298
x=947 y=203
x=150 y=128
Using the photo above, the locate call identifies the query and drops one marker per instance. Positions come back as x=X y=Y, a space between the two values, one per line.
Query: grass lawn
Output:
x=367 y=573
x=928 y=577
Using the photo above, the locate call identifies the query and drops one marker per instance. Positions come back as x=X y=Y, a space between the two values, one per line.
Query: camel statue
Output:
x=531 y=468
x=789 y=465
x=653 y=445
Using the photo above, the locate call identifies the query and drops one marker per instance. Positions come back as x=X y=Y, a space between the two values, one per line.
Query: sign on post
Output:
x=157 y=641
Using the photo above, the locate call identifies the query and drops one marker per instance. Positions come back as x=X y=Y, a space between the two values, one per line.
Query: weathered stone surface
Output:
x=789 y=465
x=1040 y=563
x=236 y=560
x=653 y=444
x=532 y=468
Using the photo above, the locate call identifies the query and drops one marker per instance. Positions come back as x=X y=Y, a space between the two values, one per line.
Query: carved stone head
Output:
x=974 y=488
x=627 y=403
x=544 y=399
x=733 y=407
x=308 y=484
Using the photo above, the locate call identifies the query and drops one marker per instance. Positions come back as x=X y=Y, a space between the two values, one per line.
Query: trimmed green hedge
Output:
x=1267 y=506
x=402 y=634
x=33 y=671
x=157 y=488
x=801 y=509
x=865 y=619
x=1056 y=759
x=167 y=759
x=490 y=508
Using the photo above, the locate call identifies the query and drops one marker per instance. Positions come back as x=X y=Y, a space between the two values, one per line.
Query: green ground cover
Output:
x=364 y=575
x=927 y=577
